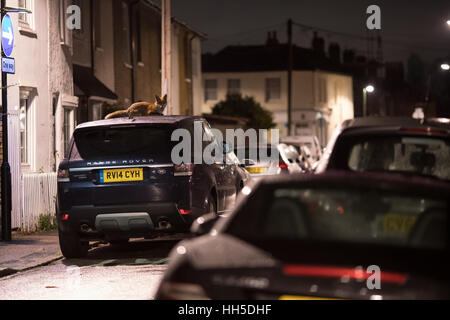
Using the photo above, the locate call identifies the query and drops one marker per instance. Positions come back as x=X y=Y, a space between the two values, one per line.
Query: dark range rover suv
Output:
x=119 y=182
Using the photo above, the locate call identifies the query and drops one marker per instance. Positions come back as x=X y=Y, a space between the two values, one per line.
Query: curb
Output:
x=4 y=272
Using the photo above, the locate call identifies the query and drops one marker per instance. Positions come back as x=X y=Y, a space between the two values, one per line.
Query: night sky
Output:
x=407 y=25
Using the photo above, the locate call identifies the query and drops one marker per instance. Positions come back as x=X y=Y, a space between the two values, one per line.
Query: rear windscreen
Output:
x=134 y=142
x=416 y=155
x=339 y=215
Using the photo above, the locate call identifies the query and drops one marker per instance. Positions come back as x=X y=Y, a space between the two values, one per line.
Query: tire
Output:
x=71 y=246
x=212 y=205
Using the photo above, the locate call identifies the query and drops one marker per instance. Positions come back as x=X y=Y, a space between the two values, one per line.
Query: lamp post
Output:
x=444 y=67
x=368 y=89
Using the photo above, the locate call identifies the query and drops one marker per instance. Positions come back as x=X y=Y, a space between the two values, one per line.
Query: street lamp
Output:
x=448 y=23
x=368 y=89
x=445 y=66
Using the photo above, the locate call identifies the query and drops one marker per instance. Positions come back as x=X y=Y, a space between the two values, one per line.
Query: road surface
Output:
x=124 y=272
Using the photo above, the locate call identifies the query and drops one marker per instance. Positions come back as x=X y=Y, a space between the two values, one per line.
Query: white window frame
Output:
x=30 y=145
x=269 y=94
x=231 y=89
x=26 y=20
x=63 y=32
x=97 y=111
x=70 y=111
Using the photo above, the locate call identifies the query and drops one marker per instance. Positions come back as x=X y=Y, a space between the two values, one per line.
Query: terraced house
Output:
x=75 y=76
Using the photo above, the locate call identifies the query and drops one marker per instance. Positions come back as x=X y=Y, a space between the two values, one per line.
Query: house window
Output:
x=26 y=19
x=323 y=94
x=63 y=31
x=24 y=116
x=234 y=86
x=97 y=111
x=273 y=89
x=68 y=127
x=210 y=90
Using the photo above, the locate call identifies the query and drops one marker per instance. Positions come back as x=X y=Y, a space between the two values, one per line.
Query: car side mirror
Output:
x=226 y=148
x=204 y=224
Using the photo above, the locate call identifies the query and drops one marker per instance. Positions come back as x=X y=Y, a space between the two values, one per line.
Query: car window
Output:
x=118 y=143
x=424 y=156
x=331 y=215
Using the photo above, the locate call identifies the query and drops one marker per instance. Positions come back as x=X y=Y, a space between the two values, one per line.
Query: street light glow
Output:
x=445 y=66
x=448 y=23
x=370 y=88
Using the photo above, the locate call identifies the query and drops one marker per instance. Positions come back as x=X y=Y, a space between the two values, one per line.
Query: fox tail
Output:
x=117 y=114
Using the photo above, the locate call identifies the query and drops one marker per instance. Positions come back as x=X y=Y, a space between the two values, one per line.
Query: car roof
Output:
x=394 y=123
x=137 y=120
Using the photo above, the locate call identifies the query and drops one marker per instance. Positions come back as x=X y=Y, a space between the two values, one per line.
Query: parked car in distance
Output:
x=261 y=161
x=119 y=182
x=314 y=237
x=396 y=145
x=310 y=141
x=296 y=163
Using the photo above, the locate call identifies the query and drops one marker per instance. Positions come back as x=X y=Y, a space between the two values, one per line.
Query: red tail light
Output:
x=65 y=217
x=336 y=272
x=185 y=212
x=63 y=175
x=427 y=131
x=282 y=165
x=184 y=170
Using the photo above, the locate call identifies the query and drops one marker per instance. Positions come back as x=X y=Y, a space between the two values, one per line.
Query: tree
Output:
x=245 y=107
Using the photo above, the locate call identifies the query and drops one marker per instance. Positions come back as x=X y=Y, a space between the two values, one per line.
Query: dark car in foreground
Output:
x=395 y=145
x=119 y=182
x=332 y=236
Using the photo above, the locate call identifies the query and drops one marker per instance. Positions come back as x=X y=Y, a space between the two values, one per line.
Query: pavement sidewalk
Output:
x=28 y=251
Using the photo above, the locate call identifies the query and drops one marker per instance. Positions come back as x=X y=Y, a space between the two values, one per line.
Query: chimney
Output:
x=334 y=52
x=272 y=39
x=349 y=56
x=318 y=44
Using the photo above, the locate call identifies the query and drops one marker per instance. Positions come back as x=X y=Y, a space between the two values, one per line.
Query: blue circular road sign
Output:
x=7 y=36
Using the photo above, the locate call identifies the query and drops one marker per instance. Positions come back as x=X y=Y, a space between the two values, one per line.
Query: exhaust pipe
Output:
x=164 y=225
x=85 y=228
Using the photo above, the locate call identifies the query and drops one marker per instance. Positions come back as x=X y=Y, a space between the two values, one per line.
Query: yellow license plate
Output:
x=398 y=224
x=257 y=170
x=121 y=175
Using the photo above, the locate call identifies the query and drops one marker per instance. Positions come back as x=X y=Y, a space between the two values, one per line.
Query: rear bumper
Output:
x=124 y=221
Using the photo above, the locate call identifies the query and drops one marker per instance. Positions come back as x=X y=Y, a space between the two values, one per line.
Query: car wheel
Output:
x=212 y=205
x=71 y=246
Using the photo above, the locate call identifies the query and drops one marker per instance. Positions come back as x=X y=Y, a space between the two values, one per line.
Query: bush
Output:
x=245 y=107
x=47 y=223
